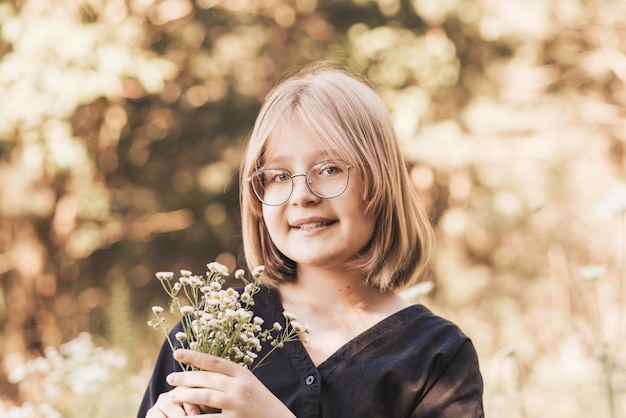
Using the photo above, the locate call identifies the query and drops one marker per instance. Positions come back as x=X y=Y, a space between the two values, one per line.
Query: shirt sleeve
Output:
x=165 y=364
x=456 y=388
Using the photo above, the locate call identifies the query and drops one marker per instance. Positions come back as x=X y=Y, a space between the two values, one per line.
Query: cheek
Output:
x=362 y=200
x=358 y=192
x=270 y=218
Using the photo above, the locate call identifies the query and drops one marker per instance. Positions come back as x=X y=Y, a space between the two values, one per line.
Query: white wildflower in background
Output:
x=417 y=291
x=30 y=410
x=509 y=351
x=219 y=321
x=592 y=272
x=611 y=206
x=68 y=378
x=77 y=365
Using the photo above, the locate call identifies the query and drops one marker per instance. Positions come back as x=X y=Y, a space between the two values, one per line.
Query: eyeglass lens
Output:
x=326 y=179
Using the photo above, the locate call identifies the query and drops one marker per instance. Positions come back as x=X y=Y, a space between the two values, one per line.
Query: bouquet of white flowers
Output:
x=219 y=321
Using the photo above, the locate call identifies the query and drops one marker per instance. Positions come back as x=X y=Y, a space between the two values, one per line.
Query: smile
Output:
x=313 y=225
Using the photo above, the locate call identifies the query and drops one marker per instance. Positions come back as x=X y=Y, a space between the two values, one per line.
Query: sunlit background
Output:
x=121 y=131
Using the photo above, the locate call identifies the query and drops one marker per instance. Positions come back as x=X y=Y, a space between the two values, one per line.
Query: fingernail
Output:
x=171 y=379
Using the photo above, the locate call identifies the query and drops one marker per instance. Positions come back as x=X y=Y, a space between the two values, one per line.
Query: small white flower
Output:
x=257 y=271
x=239 y=274
x=258 y=320
x=155 y=323
x=185 y=273
x=157 y=310
x=218 y=268
x=298 y=327
x=187 y=310
x=277 y=327
x=165 y=275
x=181 y=336
x=288 y=315
x=243 y=315
x=196 y=326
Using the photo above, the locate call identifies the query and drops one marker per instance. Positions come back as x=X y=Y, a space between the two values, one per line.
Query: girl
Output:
x=329 y=209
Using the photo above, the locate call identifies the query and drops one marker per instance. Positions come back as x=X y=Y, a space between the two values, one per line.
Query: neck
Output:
x=323 y=289
x=336 y=306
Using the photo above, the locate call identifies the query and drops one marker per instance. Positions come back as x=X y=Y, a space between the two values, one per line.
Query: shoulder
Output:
x=437 y=346
x=414 y=336
x=419 y=338
x=419 y=322
x=441 y=344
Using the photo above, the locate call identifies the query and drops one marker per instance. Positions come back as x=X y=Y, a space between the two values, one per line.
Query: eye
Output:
x=277 y=176
x=329 y=168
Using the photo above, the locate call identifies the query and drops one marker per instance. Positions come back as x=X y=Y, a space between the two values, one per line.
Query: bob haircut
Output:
x=350 y=118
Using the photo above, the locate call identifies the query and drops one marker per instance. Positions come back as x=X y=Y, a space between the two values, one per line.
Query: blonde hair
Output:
x=344 y=111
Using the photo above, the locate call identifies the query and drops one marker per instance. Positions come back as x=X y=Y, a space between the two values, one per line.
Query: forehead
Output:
x=291 y=144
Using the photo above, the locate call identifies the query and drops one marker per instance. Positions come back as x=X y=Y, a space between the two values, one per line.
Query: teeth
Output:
x=313 y=225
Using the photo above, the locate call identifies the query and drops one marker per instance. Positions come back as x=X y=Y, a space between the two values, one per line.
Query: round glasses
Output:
x=326 y=179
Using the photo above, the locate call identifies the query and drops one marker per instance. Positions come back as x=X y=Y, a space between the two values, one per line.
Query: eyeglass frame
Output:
x=307 y=181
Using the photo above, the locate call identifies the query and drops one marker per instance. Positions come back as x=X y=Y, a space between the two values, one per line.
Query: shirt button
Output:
x=309 y=380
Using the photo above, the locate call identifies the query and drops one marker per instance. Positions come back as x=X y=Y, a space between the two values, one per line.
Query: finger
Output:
x=207 y=362
x=199 y=379
x=166 y=406
x=191 y=409
x=154 y=412
x=200 y=397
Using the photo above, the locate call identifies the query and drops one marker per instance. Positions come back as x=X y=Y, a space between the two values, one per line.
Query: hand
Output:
x=220 y=384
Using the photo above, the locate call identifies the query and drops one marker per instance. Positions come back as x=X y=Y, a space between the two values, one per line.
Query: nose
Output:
x=302 y=194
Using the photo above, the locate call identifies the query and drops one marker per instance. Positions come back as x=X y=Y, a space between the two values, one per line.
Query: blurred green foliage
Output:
x=122 y=124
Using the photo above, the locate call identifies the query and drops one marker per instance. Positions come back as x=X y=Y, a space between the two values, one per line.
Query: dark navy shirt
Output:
x=411 y=364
